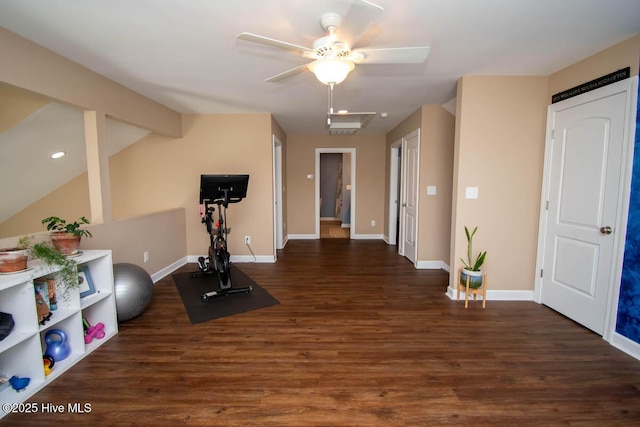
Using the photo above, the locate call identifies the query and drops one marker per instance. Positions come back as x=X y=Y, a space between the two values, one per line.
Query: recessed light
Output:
x=58 y=154
x=343 y=111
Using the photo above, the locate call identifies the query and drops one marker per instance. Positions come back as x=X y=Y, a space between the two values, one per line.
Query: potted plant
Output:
x=471 y=266
x=54 y=259
x=15 y=259
x=66 y=236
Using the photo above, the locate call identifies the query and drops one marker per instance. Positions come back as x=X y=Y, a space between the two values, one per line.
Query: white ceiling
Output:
x=184 y=53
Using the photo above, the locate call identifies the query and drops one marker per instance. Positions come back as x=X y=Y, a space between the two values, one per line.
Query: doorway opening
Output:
x=335 y=192
x=395 y=179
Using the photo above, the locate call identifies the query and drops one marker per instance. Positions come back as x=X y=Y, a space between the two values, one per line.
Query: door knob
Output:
x=606 y=230
x=404 y=205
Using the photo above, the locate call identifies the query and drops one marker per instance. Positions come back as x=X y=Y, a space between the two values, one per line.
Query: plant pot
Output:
x=13 y=259
x=66 y=243
x=475 y=278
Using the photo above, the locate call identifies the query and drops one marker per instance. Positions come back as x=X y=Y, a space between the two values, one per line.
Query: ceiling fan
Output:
x=333 y=55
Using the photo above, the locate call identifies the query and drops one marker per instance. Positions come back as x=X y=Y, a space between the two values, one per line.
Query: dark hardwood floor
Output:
x=360 y=338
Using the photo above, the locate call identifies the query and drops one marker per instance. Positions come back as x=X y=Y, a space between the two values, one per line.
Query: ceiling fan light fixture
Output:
x=332 y=70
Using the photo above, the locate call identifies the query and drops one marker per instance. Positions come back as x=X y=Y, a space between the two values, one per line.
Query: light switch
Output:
x=471 y=193
x=431 y=190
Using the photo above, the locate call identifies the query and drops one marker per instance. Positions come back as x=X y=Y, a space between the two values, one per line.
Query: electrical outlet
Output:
x=373 y=222
x=146 y=256
x=247 y=240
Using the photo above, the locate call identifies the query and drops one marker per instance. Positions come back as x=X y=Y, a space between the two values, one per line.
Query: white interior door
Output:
x=277 y=193
x=585 y=178
x=410 y=176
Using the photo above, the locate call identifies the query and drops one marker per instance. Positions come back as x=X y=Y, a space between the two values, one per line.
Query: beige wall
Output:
x=69 y=201
x=370 y=180
x=437 y=135
x=161 y=234
x=500 y=126
x=16 y=105
x=499 y=149
x=159 y=173
x=625 y=54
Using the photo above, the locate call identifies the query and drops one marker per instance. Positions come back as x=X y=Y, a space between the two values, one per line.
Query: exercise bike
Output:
x=217 y=191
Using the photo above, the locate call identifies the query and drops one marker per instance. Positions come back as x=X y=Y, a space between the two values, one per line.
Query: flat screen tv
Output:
x=212 y=187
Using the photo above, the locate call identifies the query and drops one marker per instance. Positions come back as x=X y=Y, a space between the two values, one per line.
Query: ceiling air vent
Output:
x=342 y=131
x=347 y=123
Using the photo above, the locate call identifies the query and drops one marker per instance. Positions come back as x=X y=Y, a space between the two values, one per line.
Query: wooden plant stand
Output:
x=482 y=290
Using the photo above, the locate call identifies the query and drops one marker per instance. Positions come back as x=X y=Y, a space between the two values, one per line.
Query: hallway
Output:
x=332 y=229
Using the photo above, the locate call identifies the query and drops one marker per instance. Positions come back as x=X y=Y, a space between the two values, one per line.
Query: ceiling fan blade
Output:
x=288 y=73
x=398 y=55
x=274 y=43
x=360 y=16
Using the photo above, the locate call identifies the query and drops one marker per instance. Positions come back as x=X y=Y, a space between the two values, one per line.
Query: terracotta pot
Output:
x=13 y=259
x=66 y=243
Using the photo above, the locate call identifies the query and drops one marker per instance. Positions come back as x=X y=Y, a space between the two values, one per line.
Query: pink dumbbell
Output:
x=96 y=331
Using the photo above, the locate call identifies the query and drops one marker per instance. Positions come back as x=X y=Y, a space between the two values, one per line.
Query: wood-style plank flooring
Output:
x=360 y=338
x=332 y=229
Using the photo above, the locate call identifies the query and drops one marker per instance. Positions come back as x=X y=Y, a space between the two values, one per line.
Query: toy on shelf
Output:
x=48 y=363
x=19 y=384
x=53 y=299
x=42 y=308
x=91 y=332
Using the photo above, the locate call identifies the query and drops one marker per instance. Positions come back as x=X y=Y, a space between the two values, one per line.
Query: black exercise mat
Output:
x=191 y=288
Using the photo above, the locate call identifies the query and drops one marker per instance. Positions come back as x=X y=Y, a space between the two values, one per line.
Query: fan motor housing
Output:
x=326 y=46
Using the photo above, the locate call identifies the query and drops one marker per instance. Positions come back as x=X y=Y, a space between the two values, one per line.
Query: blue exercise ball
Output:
x=133 y=288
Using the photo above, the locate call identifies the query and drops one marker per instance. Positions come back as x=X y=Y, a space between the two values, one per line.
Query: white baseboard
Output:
x=303 y=236
x=496 y=295
x=367 y=237
x=432 y=265
x=345 y=225
x=623 y=343
x=169 y=269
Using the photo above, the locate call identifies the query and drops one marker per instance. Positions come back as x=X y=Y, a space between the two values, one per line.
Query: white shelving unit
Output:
x=22 y=350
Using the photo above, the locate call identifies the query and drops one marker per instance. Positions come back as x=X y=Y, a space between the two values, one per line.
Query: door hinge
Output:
x=547 y=205
x=541 y=272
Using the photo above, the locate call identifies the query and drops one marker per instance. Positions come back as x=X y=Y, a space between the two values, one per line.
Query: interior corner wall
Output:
x=437 y=134
x=159 y=173
x=500 y=138
x=370 y=159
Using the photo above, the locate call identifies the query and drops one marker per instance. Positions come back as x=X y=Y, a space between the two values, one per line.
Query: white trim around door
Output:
x=352 y=221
